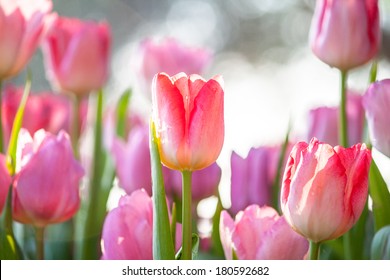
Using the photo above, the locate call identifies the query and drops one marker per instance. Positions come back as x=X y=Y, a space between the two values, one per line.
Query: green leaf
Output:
x=194 y=250
x=373 y=71
x=162 y=239
x=380 y=246
x=121 y=113
x=12 y=147
x=215 y=237
x=9 y=248
x=380 y=197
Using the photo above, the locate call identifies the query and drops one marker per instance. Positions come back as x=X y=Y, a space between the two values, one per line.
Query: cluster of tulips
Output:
x=64 y=150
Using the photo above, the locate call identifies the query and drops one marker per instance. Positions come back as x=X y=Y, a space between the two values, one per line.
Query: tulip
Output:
x=76 y=55
x=252 y=177
x=376 y=103
x=171 y=57
x=46 y=186
x=22 y=24
x=5 y=182
x=127 y=230
x=132 y=160
x=44 y=110
x=324 y=122
x=259 y=233
x=188 y=114
x=345 y=33
x=204 y=182
x=325 y=189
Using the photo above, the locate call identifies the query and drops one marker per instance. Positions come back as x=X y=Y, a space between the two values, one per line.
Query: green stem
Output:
x=39 y=239
x=75 y=129
x=343 y=111
x=173 y=224
x=314 y=251
x=2 y=148
x=186 y=214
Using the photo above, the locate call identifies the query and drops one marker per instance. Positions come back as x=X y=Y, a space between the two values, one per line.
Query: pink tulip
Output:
x=46 y=186
x=5 y=182
x=188 y=114
x=76 y=55
x=44 y=110
x=171 y=57
x=259 y=233
x=376 y=102
x=345 y=33
x=21 y=28
x=128 y=229
x=132 y=160
x=324 y=122
x=325 y=189
x=252 y=177
x=204 y=182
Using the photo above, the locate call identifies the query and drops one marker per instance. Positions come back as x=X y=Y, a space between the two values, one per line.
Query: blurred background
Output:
x=260 y=48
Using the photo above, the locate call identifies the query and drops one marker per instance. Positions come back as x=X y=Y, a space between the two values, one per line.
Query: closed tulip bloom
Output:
x=5 y=182
x=22 y=23
x=376 y=102
x=345 y=33
x=77 y=54
x=188 y=114
x=43 y=110
x=132 y=160
x=252 y=178
x=204 y=182
x=324 y=122
x=169 y=56
x=259 y=233
x=46 y=186
x=325 y=189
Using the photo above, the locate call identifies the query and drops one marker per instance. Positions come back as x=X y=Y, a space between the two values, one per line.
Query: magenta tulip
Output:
x=204 y=182
x=171 y=57
x=259 y=233
x=5 y=182
x=132 y=160
x=46 y=186
x=43 y=110
x=252 y=178
x=128 y=228
x=77 y=55
x=22 y=24
x=345 y=33
x=324 y=122
x=325 y=189
x=376 y=103
x=188 y=114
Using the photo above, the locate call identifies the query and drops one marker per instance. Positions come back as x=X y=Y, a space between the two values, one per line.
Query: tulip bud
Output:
x=76 y=55
x=325 y=189
x=259 y=233
x=46 y=186
x=380 y=246
x=345 y=33
x=376 y=104
x=188 y=114
x=21 y=28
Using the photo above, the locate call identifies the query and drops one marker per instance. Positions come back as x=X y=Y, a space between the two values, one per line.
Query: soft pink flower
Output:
x=5 y=182
x=46 y=186
x=128 y=229
x=345 y=33
x=43 y=110
x=376 y=102
x=22 y=23
x=77 y=54
x=324 y=122
x=188 y=114
x=259 y=233
x=171 y=57
x=325 y=189
x=204 y=182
